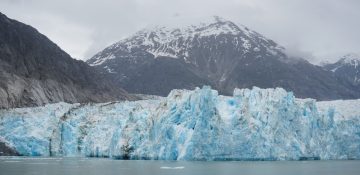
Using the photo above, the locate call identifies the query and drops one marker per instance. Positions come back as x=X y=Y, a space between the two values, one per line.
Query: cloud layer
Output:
x=318 y=30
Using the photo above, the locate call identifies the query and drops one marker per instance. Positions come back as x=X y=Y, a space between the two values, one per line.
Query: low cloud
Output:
x=316 y=30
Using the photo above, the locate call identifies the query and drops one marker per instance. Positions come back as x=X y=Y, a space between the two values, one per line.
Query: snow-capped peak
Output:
x=177 y=39
x=351 y=58
x=214 y=26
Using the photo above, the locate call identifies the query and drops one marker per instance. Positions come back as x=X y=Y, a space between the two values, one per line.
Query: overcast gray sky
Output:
x=314 y=29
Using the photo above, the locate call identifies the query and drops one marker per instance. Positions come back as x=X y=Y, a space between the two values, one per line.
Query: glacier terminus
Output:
x=253 y=124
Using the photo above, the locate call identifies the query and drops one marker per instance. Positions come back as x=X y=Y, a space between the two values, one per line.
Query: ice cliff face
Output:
x=256 y=124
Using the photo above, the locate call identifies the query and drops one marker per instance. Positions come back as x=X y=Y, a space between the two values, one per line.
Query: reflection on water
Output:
x=94 y=166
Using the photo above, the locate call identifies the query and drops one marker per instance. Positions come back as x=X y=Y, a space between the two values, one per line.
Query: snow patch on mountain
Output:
x=99 y=60
x=351 y=59
x=176 y=41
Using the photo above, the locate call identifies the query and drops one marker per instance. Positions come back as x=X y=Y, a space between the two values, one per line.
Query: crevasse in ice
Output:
x=253 y=124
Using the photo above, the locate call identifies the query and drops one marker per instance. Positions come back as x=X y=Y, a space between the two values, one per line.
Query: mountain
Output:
x=253 y=124
x=35 y=71
x=347 y=69
x=216 y=52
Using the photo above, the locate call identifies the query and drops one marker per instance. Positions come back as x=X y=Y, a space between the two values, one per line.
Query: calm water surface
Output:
x=92 y=166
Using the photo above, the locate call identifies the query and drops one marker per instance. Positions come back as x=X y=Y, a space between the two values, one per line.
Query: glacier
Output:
x=253 y=124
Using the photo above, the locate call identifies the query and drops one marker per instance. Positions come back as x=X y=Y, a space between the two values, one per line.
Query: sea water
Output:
x=98 y=166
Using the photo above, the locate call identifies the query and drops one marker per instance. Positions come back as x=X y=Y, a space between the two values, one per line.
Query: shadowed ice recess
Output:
x=253 y=124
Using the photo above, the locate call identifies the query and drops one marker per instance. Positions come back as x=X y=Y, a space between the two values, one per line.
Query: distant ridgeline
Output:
x=256 y=124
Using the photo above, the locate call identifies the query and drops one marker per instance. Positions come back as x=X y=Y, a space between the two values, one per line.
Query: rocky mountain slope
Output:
x=35 y=71
x=347 y=69
x=216 y=52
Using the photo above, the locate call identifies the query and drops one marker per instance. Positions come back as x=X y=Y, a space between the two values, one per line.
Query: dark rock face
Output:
x=35 y=71
x=218 y=53
x=304 y=79
x=5 y=150
x=159 y=77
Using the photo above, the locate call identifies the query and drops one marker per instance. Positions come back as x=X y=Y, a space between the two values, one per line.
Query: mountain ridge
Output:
x=223 y=54
x=346 y=68
x=35 y=71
